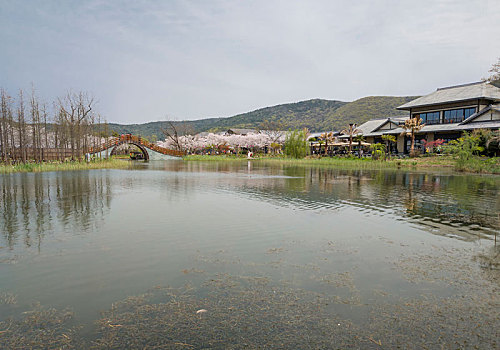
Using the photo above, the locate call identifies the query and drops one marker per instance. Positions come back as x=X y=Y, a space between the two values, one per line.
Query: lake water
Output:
x=275 y=256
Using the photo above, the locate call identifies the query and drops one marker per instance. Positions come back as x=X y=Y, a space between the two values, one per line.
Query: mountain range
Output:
x=316 y=115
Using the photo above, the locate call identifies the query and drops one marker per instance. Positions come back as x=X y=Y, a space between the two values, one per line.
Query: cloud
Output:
x=195 y=59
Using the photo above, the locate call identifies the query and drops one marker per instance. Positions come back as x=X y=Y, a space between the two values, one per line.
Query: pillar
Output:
x=401 y=143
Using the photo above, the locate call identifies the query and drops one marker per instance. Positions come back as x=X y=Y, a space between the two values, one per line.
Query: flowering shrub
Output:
x=429 y=146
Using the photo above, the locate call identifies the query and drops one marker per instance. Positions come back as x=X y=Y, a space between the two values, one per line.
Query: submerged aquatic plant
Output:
x=40 y=328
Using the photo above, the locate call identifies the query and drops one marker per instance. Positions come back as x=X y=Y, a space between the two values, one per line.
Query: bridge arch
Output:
x=150 y=151
x=141 y=147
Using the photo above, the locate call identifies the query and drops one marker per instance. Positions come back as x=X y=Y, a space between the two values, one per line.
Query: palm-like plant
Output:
x=327 y=136
x=351 y=131
x=359 y=139
x=388 y=140
x=411 y=127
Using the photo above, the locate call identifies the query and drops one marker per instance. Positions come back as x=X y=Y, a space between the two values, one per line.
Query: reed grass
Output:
x=211 y=158
x=337 y=162
x=477 y=164
x=62 y=166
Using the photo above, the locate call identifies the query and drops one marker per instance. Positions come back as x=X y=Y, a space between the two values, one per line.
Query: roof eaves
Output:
x=388 y=120
x=460 y=85
x=405 y=107
x=475 y=115
x=495 y=124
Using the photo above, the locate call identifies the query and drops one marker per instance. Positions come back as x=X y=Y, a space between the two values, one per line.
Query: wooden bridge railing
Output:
x=137 y=140
x=38 y=154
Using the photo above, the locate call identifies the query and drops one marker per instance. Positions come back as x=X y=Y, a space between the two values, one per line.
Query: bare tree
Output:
x=46 y=131
x=494 y=71
x=75 y=108
x=272 y=128
x=4 y=125
x=10 y=120
x=58 y=132
x=21 y=127
x=174 y=130
x=36 y=146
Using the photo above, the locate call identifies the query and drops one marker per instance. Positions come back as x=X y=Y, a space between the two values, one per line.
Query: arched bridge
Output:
x=149 y=150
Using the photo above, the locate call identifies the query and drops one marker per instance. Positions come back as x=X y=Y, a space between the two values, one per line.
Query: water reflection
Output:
x=34 y=205
x=454 y=205
x=461 y=206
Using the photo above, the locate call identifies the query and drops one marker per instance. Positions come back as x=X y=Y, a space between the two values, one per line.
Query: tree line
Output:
x=32 y=130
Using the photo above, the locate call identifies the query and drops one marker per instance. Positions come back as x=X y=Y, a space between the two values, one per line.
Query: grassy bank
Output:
x=218 y=158
x=122 y=156
x=58 y=166
x=475 y=165
x=479 y=165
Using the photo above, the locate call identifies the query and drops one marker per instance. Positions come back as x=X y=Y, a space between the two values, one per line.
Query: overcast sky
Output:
x=146 y=60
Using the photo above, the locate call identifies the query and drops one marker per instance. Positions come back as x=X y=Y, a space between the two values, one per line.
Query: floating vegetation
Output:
x=316 y=304
x=192 y=270
x=451 y=267
x=489 y=260
x=8 y=298
x=342 y=279
x=437 y=323
x=9 y=260
x=249 y=311
x=245 y=312
x=274 y=250
x=226 y=312
x=40 y=328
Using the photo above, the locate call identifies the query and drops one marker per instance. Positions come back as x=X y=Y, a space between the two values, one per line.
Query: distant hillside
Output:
x=364 y=109
x=316 y=115
x=305 y=114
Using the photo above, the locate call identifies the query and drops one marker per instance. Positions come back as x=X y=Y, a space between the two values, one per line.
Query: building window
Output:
x=447 y=137
x=458 y=115
x=429 y=118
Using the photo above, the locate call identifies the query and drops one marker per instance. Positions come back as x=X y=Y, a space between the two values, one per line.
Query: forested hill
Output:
x=316 y=115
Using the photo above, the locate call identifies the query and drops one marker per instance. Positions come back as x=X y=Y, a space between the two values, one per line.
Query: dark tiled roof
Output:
x=242 y=131
x=368 y=128
x=455 y=94
x=444 y=128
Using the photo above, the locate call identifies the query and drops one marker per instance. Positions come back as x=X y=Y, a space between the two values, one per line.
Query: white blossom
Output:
x=196 y=143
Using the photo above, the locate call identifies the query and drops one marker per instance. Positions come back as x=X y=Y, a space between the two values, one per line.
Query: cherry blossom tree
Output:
x=221 y=143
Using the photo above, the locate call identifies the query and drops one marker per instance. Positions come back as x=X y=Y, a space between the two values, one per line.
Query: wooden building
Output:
x=446 y=113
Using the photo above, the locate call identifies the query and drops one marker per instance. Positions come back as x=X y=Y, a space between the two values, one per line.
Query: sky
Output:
x=157 y=60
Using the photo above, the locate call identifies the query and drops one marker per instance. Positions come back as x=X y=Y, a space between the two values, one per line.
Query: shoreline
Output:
x=433 y=162
x=7 y=169
x=486 y=166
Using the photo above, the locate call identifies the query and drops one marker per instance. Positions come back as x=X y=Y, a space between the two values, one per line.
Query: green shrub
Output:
x=296 y=145
x=378 y=151
x=464 y=148
x=466 y=151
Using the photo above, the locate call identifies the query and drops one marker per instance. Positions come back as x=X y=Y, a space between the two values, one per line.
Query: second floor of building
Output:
x=455 y=104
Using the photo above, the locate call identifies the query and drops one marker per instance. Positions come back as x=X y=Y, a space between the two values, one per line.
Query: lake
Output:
x=189 y=255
